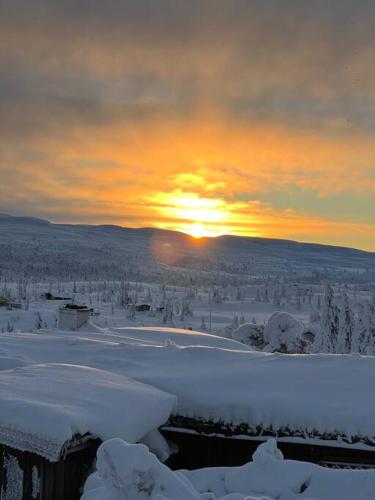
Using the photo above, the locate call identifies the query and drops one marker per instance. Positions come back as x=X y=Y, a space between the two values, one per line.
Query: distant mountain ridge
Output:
x=37 y=247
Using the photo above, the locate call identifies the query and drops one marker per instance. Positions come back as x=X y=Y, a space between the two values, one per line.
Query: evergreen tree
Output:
x=38 y=321
x=131 y=312
x=346 y=327
x=168 y=312
x=319 y=303
x=365 y=330
x=326 y=339
x=216 y=297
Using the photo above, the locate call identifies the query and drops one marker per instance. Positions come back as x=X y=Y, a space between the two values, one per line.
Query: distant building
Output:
x=4 y=302
x=15 y=305
x=72 y=316
x=142 y=307
x=9 y=304
x=49 y=296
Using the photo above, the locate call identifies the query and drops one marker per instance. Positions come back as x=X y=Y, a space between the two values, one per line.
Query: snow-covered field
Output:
x=247 y=313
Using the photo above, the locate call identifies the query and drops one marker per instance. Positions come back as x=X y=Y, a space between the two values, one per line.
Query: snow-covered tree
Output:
x=232 y=326
x=216 y=297
x=131 y=312
x=168 y=312
x=38 y=321
x=364 y=338
x=326 y=338
x=186 y=310
x=284 y=333
x=346 y=327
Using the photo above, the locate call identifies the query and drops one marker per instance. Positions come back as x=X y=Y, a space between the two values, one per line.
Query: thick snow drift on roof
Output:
x=131 y=472
x=43 y=406
x=154 y=335
x=314 y=393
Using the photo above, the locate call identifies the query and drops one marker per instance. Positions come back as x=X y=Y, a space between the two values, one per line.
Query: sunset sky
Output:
x=249 y=117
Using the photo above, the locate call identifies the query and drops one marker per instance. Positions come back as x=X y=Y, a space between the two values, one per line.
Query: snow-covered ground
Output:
x=284 y=318
x=131 y=472
x=117 y=379
x=207 y=309
x=201 y=351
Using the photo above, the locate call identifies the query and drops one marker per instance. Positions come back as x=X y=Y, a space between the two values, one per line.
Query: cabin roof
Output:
x=75 y=307
x=219 y=380
x=44 y=407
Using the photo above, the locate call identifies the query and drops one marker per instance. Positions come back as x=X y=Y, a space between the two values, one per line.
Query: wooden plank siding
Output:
x=208 y=443
x=60 y=480
x=197 y=450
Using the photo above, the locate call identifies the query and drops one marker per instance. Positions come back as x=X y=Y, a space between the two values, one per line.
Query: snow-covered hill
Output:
x=36 y=248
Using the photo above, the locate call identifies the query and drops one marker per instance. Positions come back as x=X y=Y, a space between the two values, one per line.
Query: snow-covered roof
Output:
x=316 y=394
x=158 y=335
x=42 y=407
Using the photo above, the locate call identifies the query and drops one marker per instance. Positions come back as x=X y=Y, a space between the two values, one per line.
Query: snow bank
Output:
x=44 y=406
x=131 y=472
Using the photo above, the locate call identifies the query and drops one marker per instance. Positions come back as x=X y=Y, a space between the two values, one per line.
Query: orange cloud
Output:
x=204 y=176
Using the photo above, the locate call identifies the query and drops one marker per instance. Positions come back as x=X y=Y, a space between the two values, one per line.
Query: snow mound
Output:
x=284 y=333
x=131 y=472
x=268 y=474
x=44 y=406
x=267 y=451
x=250 y=334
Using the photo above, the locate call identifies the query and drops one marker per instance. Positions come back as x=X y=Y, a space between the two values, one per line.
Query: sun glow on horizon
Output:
x=198 y=231
x=197 y=216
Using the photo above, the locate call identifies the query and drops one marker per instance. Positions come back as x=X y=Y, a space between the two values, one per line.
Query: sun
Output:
x=198 y=231
x=192 y=214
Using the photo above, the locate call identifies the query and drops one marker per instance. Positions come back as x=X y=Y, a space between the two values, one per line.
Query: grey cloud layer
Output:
x=296 y=62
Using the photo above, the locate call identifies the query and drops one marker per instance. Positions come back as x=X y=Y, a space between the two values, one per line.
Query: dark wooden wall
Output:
x=199 y=450
x=61 y=480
